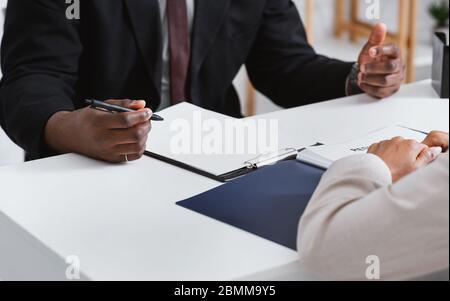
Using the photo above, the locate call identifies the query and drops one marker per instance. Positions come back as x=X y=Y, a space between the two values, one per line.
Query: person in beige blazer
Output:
x=383 y=215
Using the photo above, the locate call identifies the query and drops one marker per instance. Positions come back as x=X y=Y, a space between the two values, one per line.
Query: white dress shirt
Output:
x=165 y=83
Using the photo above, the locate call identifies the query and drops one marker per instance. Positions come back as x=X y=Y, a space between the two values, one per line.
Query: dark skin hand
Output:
x=382 y=70
x=115 y=137
x=101 y=135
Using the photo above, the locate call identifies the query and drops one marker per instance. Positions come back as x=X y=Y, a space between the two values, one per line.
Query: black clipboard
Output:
x=224 y=178
x=271 y=211
x=219 y=178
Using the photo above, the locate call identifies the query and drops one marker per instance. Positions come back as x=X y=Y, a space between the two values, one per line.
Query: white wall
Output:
x=324 y=16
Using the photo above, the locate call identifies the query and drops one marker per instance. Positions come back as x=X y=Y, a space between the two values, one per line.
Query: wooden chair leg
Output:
x=339 y=22
x=310 y=20
x=354 y=11
x=405 y=38
x=403 y=19
x=412 y=43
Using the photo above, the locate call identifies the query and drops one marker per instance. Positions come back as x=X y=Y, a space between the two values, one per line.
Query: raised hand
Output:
x=382 y=71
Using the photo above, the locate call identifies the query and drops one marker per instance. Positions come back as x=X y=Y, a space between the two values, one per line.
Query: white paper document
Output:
x=216 y=143
x=323 y=156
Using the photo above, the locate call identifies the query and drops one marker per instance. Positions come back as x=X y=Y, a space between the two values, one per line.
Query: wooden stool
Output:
x=405 y=38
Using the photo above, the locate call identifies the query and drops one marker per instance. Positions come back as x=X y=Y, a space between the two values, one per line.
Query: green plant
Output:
x=439 y=12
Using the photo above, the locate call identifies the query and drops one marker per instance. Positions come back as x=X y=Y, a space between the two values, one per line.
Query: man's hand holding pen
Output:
x=109 y=137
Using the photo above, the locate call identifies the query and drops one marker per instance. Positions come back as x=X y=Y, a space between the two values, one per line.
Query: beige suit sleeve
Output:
x=356 y=212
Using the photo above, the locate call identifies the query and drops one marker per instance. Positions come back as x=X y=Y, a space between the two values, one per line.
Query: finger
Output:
x=437 y=138
x=378 y=92
x=124 y=158
x=373 y=148
x=391 y=51
x=426 y=156
x=135 y=157
x=378 y=35
x=129 y=149
x=123 y=120
x=129 y=136
x=113 y=158
x=383 y=67
x=382 y=80
x=436 y=151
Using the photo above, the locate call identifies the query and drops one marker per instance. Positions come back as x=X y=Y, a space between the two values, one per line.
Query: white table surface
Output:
x=122 y=222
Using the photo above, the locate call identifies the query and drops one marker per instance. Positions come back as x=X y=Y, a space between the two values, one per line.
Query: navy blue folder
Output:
x=268 y=202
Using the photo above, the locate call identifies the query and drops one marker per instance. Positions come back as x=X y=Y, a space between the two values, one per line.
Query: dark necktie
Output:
x=178 y=49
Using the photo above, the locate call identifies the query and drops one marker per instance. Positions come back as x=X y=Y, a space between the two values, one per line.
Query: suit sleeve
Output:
x=39 y=56
x=356 y=212
x=284 y=67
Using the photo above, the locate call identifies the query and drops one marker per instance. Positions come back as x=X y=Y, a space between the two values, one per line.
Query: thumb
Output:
x=427 y=156
x=377 y=36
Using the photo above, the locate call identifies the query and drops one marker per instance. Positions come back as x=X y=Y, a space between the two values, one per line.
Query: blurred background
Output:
x=336 y=28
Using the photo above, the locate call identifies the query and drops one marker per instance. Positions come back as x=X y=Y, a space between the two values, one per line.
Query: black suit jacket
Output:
x=51 y=63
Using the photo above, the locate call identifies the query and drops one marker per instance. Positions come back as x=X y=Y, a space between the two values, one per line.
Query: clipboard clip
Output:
x=271 y=158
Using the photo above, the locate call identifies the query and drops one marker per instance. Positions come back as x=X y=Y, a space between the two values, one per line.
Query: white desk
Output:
x=122 y=221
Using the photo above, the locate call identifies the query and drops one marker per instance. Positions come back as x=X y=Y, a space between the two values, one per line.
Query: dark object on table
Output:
x=440 y=72
x=268 y=202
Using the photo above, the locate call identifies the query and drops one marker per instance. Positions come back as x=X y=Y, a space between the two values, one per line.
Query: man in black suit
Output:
x=163 y=51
